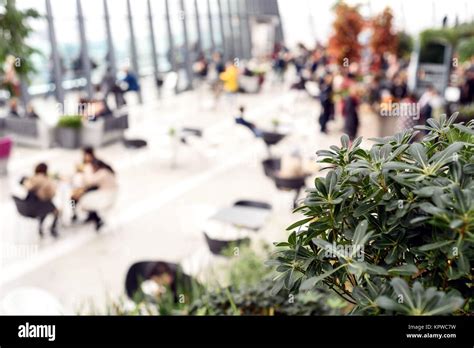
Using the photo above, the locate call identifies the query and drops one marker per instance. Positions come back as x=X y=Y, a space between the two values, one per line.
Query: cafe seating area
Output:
x=199 y=212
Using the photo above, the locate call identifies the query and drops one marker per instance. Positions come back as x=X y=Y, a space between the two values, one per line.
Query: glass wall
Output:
x=176 y=22
x=141 y=27
x=233 y=31
x=206 y=38
x=158 y=8
x=39 y=39
x=191 y=24
x=216 y=27
x=68 y=41
x=228 y=39
x=235 y=23
x=120 y=32
x=93 y=11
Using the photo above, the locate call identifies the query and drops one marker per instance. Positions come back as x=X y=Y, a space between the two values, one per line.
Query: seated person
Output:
x=241 y=120
x=291 y=167
x=41 y=191
x=31 y=113
x=93 y=109
x=13 y=108
x=295 y=166
x=131 y=81
x=98 y=191
x=82 y=169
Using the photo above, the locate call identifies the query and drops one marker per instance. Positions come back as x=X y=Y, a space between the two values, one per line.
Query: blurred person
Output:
x=218 y=68
x=291 y=166
x=374 y=91
x=98 y=191
x=411 y=117
x=350 y=113
x=327 y=104
x=92 y=109
x=426 y=103
x=393 y=67
x=30 y=112
x=11 y=80
x=41 y=191
x=201 y=66
x=131 y=80
x=399 y=88
x=109 y=85
x=468 y=86
x=240 y=119
x=82 y=169
x=279 y=61
x=13 y=110
x=218 y=62
x=230 y=78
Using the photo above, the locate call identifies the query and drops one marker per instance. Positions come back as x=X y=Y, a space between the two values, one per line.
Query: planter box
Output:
x=69 y=138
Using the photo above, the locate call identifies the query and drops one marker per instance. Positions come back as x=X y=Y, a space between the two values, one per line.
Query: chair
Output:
x=296 y=184
x=270 y=166
x=254 y=204
x=27 y=210
x=218 y=246
x=5 y=150
x=187 y=132
x=272 y=138
x=269 y=138
x=145 y=270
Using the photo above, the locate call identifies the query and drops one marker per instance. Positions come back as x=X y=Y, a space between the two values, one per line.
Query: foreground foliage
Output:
x=390 y=229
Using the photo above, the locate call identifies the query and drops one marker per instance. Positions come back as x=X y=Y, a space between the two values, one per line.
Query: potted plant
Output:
x=174 y=141
x=275 y=124
x=390 y=230
x=68 y=131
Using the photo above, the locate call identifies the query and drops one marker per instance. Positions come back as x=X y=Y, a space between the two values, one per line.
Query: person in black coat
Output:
x=349 y=111
x=327 y=104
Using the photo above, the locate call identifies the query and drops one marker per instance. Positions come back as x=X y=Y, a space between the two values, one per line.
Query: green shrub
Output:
x=257 y=299
x=466 y=112
x=399 y=210
x=72 y=121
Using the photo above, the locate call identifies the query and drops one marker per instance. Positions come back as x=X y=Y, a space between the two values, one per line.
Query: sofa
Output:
x=28 y=131
x=104 y=130
x=34 y=132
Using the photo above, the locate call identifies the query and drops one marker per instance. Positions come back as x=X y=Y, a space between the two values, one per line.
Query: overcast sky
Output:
x=308 y=19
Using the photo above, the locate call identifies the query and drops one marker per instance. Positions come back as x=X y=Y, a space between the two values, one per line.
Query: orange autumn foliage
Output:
x=344 y=41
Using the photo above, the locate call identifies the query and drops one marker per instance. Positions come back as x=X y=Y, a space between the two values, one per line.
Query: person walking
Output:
x=327 y=104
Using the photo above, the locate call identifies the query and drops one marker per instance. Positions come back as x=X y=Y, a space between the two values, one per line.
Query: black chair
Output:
x=270 y=166
x=192 y=131
x=145 y=270
x=272 y=138
x=253 y=204
x=134 y=143
x=269 y=138
x=297 y=184
x=23 y=208
x=218 y=246
x=28 y=210
x=187 y=132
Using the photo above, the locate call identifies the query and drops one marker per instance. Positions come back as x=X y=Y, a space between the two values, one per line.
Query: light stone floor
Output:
x=161 y=206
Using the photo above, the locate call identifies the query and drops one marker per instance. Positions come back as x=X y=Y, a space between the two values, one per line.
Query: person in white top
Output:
x=98 y=192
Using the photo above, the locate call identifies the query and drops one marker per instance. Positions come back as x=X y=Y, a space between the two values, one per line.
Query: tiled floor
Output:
x=161 y=207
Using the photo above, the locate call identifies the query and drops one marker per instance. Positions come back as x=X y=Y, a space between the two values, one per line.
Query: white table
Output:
x=241 y=216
